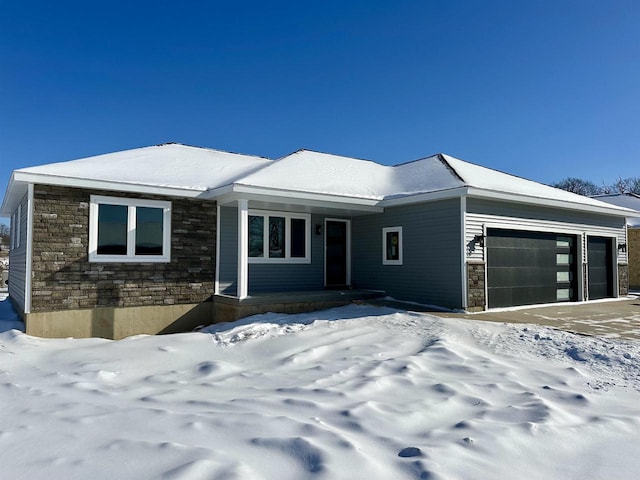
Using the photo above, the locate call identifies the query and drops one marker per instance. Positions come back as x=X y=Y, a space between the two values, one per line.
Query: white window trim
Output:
x=288 y=216
x=18 y=222
x=386 y=261
x=132 y=204
x=12 y=232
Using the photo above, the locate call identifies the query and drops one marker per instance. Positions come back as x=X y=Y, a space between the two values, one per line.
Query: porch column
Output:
x=243 y=249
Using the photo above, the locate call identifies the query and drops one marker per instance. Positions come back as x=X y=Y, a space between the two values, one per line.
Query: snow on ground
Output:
x=357 y=392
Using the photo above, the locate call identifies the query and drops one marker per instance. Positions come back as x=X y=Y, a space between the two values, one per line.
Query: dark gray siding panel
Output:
x=228 y=250
x=431 y=272
x=264 y=277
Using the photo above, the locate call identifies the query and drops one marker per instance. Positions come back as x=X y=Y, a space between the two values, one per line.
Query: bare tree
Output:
x=633 y=185
x=621 y=185
x=579 y=186
x=4 y=234
x=587 y=188
x=626 y=185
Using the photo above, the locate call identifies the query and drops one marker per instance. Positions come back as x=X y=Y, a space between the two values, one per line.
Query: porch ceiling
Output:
x=301 y=205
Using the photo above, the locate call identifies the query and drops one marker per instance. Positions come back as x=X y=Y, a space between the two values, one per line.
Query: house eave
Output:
x=20 y=180
x=425 y=197
x=12 y=197
x=309 y=200
x=547 y=202
x=506 y=197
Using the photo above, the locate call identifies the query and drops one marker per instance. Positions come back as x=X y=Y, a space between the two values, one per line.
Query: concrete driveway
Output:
x=619 y=318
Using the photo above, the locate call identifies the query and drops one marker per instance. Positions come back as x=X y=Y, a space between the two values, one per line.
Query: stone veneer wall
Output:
x=623 y=279
x=475 y=286
x=63 y=278
x=633 y=253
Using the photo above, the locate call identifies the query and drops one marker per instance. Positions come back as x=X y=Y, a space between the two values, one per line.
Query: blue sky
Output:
x=540 y=89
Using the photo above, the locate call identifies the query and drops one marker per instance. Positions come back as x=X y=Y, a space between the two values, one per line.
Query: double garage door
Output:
x=526 y=268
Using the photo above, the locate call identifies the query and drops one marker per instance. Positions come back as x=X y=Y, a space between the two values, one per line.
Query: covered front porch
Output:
x=229 y=308
x=273 y=244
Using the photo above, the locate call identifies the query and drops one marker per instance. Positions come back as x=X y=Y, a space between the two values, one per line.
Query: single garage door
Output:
x=600 y=260
x=526 y=268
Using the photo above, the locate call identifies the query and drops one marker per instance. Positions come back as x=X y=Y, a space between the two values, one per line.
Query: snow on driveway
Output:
x=357 y=392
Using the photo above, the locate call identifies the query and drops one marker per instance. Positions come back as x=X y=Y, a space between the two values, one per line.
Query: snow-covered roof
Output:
x=322 y=173
x=170 y=165
x=170 y=168
x=494 y=181
x=181 y=170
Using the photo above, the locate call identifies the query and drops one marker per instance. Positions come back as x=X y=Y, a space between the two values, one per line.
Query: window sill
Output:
x=124 y=259
x=272 y=261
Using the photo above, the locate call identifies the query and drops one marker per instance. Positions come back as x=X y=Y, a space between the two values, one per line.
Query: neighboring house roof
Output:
x=175 y=169
x=626 y=200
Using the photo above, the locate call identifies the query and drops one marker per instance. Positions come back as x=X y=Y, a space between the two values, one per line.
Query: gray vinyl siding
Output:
x=265 y=277
x=228 y=267
x=431 y=272
x=18 y=259
x=483 y=212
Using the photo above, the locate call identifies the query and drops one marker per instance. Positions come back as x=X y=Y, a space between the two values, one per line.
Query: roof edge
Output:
x=287 y=193
x=605 y=209
x=21 y=177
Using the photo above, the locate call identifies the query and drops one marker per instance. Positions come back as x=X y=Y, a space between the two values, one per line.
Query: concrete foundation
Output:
x=118 y=322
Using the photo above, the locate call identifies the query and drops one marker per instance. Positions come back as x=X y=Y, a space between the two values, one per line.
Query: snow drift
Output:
x=354 y=392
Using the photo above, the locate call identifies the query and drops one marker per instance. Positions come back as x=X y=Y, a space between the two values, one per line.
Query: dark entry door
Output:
x=336 y=253
x=600 y=259
x=525 y=268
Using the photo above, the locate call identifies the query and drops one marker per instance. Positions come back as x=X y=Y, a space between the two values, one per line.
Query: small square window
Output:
x=392 y=246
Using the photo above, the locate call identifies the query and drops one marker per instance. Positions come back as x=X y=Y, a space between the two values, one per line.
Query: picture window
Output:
x=129 y=230
x=276 y=237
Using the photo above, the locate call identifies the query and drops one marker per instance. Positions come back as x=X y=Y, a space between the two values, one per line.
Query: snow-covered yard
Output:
x=352 y=393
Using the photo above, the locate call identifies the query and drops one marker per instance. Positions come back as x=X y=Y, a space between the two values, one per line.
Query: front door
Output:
x=336 y=247
x=600 y=260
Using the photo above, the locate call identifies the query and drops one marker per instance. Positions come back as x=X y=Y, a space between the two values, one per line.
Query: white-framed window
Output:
x=392 y=246
x=279 y=237
x=18 y=221
x=12 y=232
x=129 y=230
x=14 y=228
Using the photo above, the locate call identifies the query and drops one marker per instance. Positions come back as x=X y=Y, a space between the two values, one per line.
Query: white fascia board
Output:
x=548 y=202
x=231 y=193
x=39 y=178
x=425 y=197
x=13 y=195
